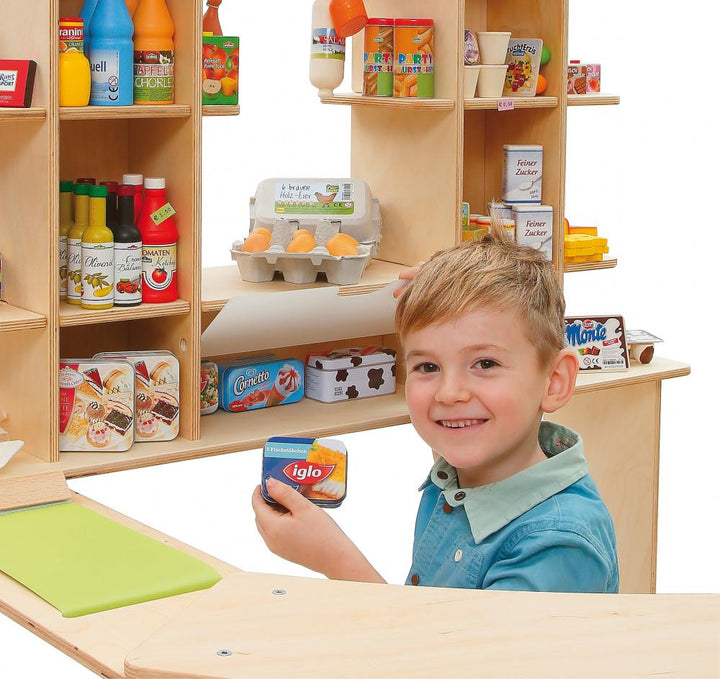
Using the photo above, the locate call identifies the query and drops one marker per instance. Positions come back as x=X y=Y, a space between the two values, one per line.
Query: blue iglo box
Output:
x=247 y=385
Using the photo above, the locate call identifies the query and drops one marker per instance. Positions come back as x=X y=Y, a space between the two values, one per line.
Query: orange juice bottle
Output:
x=73 y=65
x=154 y=55
x=211 y=21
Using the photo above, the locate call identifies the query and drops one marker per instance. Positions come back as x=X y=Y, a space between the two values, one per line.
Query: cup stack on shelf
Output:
x=492 y=70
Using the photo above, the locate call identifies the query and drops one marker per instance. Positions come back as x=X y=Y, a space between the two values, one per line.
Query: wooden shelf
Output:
x=12 y=318
x=590 y=266
x=221 y=110
x=406 y=103
x=71 y=314
x=593 y=100
x=491 y=103
x=221 y=283
x=32 y=113
x=116 y=112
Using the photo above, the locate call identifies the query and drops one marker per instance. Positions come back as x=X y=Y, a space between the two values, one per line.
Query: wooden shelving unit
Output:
x=15 y=114
x=593 y=100
x=401 y=104
x=12 y=319
x=609 y=263
x=71 y=315
x=221 y=110
x=124 y=112
x=491 y=103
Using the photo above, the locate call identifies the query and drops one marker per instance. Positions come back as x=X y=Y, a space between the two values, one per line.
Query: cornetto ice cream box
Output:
x=250 y=384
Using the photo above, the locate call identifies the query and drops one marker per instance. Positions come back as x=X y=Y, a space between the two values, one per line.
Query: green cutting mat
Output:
x=82 y=562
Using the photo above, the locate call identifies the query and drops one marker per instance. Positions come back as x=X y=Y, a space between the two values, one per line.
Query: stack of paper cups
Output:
x=493 y=51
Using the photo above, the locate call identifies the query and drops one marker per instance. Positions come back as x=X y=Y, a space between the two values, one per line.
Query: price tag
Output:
x=506 y=105
x=163 y=213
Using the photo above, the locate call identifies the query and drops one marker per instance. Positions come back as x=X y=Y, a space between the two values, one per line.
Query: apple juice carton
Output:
x=220 y=56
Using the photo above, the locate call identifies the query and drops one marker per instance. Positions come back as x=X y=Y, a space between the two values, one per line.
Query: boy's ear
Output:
x=561 y=380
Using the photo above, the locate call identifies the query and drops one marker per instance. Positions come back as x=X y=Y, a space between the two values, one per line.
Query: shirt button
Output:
x=442 y=475
x=415 y=579
x=447 y=508
x=458 y=555
x=460 y=495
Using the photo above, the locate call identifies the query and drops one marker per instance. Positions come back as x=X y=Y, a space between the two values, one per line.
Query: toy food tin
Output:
x=208 y=388
x=346 y=374
x=248 y=385
x=96 y=405
x=157 y=393
x=317 y=468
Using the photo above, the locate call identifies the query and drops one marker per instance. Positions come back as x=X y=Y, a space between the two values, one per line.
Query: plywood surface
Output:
x=320 y=628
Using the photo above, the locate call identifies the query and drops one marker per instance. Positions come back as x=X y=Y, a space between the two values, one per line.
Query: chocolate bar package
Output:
x=17 y=78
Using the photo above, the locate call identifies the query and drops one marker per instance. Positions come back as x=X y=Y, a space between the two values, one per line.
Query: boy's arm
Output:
x=303 y=533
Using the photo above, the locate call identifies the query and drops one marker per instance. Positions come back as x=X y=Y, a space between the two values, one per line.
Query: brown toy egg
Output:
x=302 y=243
x=302 y=232
x=262 y=231
x=255 y=242
x=342 y=245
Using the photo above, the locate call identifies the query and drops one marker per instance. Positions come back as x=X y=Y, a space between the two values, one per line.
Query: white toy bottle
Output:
x=327 y=54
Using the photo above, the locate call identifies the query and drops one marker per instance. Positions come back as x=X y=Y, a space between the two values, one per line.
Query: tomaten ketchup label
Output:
x=159 y=272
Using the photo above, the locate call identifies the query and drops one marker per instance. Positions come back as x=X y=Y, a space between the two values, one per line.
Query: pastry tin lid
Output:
x=316 y=468
x=353 y=357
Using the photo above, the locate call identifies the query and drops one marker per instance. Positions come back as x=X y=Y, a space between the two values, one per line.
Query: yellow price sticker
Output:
x=162 y=213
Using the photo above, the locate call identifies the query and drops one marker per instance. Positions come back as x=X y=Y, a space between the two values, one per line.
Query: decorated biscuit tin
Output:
x=317 y=468
x=209 y=392
x=346 y=374
x=96 y=405
x=157 y=393
x=249 y=385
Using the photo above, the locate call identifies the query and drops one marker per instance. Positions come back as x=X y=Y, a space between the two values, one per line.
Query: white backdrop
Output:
x=644 y=173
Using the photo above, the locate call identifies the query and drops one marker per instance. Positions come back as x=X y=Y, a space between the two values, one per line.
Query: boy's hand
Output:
x=303 y=533
x=407 y=275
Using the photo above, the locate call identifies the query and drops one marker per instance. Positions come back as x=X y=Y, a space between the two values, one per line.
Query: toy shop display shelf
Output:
x=399 y=103
x=71 y=314
x=221 y=110
x=491 y=103
x=589 y=266
x=33 y=113
x=593 y=100
x=12 y=318
x=124 y=112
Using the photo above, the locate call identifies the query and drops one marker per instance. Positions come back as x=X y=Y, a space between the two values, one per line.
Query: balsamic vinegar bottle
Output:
x=128 y=251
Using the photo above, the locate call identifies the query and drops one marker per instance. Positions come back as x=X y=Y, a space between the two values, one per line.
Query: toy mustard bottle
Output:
x=73 y=65
x=327 y=52
x=159 y=244
x=98 y=258
x=211 y=21
x=128 y=251
x=66 y=193
x=111 y=54
x=74 y=243
x=154 y=55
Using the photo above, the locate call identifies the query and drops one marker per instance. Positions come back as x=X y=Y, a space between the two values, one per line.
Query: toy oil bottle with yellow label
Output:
x=74 y=243
x=98 y=255
x=66 y=222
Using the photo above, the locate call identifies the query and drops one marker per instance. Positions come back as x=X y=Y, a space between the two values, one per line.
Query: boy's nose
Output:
x=452 y=389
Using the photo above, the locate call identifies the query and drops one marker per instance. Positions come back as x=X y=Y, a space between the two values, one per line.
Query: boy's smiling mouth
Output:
x=459 y=424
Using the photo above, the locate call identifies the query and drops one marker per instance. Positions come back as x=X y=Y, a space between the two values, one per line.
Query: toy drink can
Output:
x=413 y=63
x=378 y=60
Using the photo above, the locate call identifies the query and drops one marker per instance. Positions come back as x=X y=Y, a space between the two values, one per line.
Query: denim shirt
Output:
x=543 y=529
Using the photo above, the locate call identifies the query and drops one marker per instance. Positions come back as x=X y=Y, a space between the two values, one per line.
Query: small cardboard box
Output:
x=350 y=373
x=17 y=78
x=220 y=57
x=534 y=227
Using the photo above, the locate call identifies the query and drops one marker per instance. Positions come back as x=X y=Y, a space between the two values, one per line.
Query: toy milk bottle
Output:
x=74 y=243
x=128 y=251
x=66 y=193
x=159 y=244
x=154 y=55
x=111 y=32
x=98 y=255
x=73 y=65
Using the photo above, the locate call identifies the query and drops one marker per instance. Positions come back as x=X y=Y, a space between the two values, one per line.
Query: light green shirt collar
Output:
x=493 y=506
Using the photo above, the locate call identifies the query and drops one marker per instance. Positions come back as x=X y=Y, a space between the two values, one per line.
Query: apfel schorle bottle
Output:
x=98 y=255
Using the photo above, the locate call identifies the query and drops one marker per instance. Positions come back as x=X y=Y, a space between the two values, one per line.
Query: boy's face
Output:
x=474 y=391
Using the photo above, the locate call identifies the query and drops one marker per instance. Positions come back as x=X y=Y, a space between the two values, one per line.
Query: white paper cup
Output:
x=471 y=79
x=491 y=80
x=493 y=46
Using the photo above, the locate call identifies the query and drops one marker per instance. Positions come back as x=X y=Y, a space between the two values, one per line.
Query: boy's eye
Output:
x=427 y=368
x=485 y=364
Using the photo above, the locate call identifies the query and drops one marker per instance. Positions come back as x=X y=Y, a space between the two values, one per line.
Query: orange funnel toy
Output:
x=348 y=16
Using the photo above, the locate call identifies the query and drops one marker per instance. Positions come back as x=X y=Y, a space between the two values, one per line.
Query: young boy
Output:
x=509 y=503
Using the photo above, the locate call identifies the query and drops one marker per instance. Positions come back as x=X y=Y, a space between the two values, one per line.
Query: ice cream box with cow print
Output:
x=345 y=374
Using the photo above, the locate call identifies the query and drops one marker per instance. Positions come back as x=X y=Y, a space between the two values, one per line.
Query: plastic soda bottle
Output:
x=111 y=52
x=159 y=250
x=211 y=21
x=136 y=181
x=154 y=56
x=74 y=243
x=98 y=255
x=73 y=65
x=66 y=193
x=128 y=251
x=86 y=14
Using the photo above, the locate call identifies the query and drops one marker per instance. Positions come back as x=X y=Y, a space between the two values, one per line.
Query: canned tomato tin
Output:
x=413 y=64
x=379 y=54
x=317 y=468
x=208 y=387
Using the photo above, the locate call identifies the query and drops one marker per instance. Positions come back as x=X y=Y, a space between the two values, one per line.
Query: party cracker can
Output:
x=378 y=60
x=317 y=468
x=413 y=64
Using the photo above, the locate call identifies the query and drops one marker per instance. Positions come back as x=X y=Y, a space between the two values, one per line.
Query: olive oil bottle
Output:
x=66 y=222
x=98 y=255
x=74 y=244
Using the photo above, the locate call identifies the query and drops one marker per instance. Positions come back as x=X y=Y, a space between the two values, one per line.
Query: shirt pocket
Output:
x=457 y=563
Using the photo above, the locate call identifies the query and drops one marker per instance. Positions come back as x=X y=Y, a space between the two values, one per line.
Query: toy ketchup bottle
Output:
x=73 y=65
x=154 y=55
x=159 y=244
x=211 y=21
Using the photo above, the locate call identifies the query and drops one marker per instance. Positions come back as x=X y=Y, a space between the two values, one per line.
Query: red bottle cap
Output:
x=125 y=190
x=348 y=16
x=111 y=186
x=414 y=22
x=380 y=22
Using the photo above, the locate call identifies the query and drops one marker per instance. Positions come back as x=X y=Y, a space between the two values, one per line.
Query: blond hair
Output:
x=493 y=274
